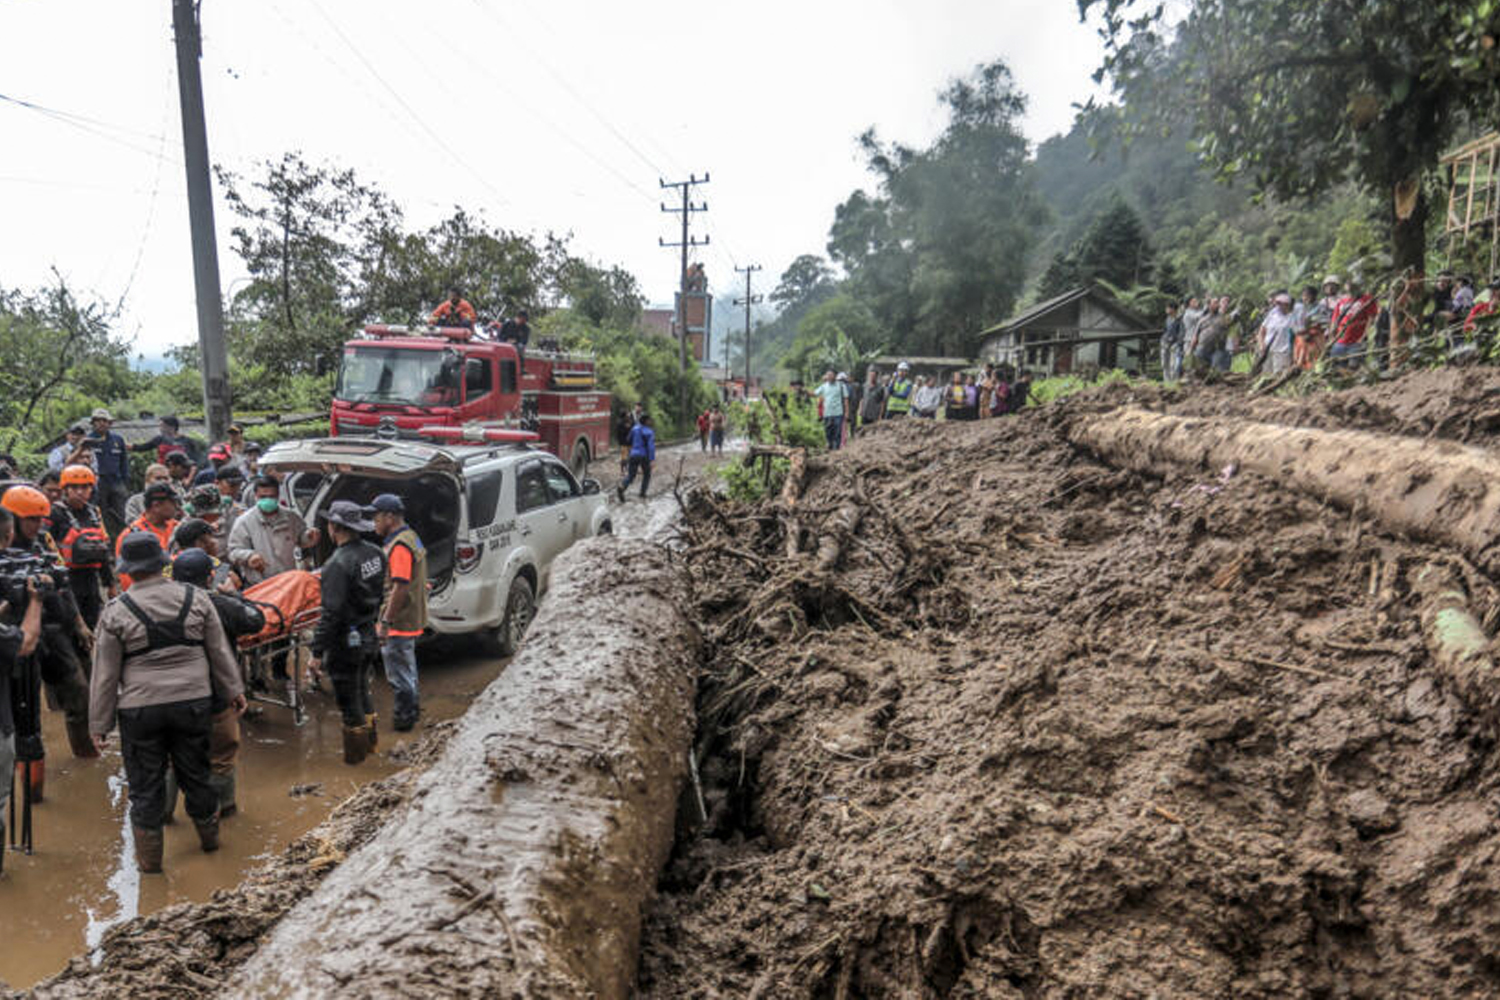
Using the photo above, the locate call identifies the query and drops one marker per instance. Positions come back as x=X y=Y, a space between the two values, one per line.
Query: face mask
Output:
x=267 y=505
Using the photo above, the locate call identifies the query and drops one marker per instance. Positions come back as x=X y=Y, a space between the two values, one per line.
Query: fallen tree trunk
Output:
x=1433 y=490
x=522 y=866
x=837 y=530
x=1458 y=644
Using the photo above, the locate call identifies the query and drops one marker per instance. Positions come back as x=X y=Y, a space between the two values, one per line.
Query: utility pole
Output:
x=214 y=355
x=748 y=301
x=686 y=243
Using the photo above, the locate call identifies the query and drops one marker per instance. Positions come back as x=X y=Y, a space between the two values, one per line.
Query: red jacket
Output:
x=1352 y=318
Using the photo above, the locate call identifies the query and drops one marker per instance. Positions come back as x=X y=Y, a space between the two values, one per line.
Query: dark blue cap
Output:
x=388 y=503
x=193 y=566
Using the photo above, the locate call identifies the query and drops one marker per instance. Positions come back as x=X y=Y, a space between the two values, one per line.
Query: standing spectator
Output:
x=251 y=466
x=1443 y=313
x=1277 y=330
x=642 y=454
x=112 y=462
x=236 y=444
x=1214 y=336
x=160 y=657
x=1351 y=319
x=1310 y=324
x=403 y=617
x=169 y=438
x=898 y=401
x=955 y=399
x=136 y=505
x=999 y=396
x=926 y=398
x=872 y=404
x=50 y=484
x=1191 y=317
x=180 y=468
x=854 y=397
x=830 y=393
x=1484 y=306
x=1173 y=336
x=1020 y=392
x=72 y=450
x=703 y=431
x=1463 y=297
x=716 y=429
x=345 y=639
x=267 y=539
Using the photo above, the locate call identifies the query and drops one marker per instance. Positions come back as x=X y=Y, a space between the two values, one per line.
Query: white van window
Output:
x=484 y=497
x=560 y=483
x=531 y=488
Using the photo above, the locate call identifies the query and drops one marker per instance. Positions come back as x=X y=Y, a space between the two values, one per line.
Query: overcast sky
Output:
x=556 y=115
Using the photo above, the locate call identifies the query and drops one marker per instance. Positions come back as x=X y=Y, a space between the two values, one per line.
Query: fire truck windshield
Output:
x=404 y=375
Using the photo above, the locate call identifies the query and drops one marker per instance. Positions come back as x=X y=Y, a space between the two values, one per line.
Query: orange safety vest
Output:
x=163 y=535
x=84 y=548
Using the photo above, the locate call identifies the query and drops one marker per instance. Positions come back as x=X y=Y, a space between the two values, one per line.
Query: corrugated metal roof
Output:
x=1099 y=295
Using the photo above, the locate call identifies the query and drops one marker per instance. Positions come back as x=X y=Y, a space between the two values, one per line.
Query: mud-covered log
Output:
x=1433 y=490
x=837 y=531
x=522 y=866
x=1459 y=646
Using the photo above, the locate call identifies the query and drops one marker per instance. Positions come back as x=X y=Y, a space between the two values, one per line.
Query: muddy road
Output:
x=82 y=879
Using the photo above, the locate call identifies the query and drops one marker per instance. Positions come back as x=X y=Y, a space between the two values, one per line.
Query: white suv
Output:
x=492 y=517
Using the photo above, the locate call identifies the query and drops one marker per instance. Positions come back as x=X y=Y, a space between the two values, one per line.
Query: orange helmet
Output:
x=78 y=475
x=26 y=501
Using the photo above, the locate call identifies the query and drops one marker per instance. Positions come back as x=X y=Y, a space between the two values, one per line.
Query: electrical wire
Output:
x=91 y=126
x=140 y=250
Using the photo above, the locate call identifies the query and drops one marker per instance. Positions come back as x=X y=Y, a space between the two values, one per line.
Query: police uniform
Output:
x=353 y=586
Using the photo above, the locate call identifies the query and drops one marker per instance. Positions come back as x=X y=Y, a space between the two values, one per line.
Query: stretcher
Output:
x=292 y=605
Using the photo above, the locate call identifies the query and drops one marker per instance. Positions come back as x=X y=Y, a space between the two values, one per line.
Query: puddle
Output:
x=81 y=880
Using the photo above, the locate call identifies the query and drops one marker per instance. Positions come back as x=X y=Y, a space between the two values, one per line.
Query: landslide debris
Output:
x=1044 y=726
x=189 y=950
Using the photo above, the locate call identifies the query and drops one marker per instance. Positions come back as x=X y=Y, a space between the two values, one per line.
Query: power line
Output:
x=89 y=125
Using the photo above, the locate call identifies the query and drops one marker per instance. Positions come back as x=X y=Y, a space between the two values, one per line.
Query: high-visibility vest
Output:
x=900 y=399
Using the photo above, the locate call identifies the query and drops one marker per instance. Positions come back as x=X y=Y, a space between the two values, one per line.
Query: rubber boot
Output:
x=356 y=744
x=371 y=731
x=79 y=740
x=224 y=785
x=208 y=833
x=148 y=845
x=38 y=778
x=169 y=796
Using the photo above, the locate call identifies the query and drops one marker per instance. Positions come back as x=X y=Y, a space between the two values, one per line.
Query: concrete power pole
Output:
x=748 y=301
x=215 y=356
x=686 y=243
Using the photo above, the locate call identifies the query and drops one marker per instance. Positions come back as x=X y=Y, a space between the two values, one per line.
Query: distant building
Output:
x=657 y=321
x=663 y=323
x=1083 y=328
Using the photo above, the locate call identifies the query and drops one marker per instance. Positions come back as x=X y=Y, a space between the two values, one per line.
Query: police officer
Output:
x=345 y=640
x=195 y=567
x=16 y=643
x=160 y=658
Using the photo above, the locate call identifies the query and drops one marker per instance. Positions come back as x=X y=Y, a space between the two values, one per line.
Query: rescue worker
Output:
x=78 y=528
x=16 y=643
x=136 y=505
x=454 y=311
x=159 y=519
x=161 y=657
x=345 y=639
x=403 y=617
x=66 y=637
x=196 y=567
x=265 y=540
x=898 y=399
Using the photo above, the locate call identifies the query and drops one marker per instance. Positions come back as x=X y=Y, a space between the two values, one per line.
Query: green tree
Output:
x=841 y=333
x=1299 y=96
x=1114 y=249
x=609 y=297
x=940 y=250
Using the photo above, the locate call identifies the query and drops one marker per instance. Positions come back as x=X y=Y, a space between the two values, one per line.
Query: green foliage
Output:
x=59 y=359
x=1355 y=248
x=939 y=251
x=1114 y=250
x=1300 y=96
x=1050 y=390
x=635 y=368
x=839 y=334
x=606 y=297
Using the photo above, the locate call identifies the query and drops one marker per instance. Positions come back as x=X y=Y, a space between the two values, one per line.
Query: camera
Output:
x=16 y=568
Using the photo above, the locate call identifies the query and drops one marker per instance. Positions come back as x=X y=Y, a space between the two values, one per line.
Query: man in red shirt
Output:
x=454 y=311
x=1351 y=319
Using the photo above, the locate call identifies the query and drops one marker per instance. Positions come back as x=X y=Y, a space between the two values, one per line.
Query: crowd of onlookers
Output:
x=844 y=406
x=1343 y=320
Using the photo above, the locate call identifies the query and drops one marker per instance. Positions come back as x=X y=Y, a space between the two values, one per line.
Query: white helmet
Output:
x=903 y=367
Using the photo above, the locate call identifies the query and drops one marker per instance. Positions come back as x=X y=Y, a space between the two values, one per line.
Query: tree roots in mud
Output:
x=984 y=716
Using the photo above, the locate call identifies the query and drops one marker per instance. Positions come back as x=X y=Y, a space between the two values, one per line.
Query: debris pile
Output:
x=988 y=713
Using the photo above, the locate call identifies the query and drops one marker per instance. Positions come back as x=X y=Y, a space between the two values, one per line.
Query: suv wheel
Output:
x=520 y=608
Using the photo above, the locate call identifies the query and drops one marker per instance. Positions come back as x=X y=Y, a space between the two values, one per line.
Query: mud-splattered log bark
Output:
x=520 y=869
x=1433 y=490
x=1458 y=644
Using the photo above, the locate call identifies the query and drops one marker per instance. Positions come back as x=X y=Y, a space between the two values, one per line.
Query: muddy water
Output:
x=81 y=878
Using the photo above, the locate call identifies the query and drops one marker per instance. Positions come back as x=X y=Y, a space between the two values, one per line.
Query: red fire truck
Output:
x=411 y=382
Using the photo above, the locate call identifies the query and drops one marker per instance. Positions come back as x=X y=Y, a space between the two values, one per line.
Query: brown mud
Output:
x=1052 y=727
x=206 y=910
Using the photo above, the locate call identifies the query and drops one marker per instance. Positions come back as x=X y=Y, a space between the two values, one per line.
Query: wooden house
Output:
x=1086 y=328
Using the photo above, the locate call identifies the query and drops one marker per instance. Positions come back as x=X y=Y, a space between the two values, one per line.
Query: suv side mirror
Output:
x=590 y=486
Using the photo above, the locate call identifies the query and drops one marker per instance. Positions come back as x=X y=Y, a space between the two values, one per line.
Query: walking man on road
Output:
x=404 y=616
x=642 y=454
x=160 y=657
x=345 y=640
